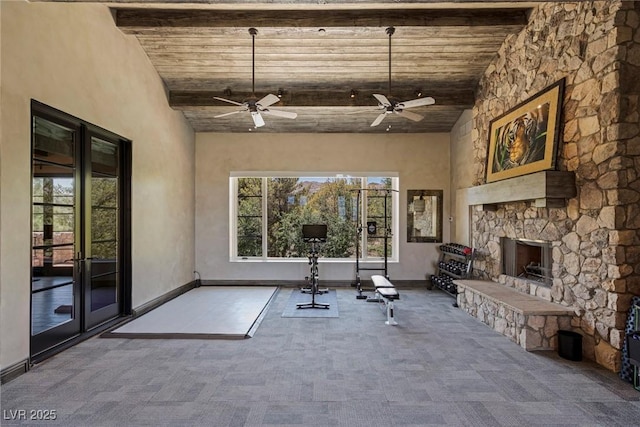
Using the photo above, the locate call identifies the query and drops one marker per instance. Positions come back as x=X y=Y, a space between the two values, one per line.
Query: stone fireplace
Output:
x=527 y=259
x=594 y=234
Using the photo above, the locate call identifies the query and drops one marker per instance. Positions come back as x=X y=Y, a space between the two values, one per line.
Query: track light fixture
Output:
x=227 y=92
x=418 y=93
x=353 y=94
x=280 y=92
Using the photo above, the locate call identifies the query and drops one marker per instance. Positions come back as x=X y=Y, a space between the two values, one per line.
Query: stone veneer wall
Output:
x=595 y=46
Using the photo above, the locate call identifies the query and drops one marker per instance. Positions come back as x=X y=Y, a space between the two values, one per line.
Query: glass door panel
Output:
x=78 y=223
x=55 y=291
x=103 y=263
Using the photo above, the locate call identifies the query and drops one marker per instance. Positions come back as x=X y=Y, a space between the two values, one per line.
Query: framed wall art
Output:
x=424 y=216
x=525 y=139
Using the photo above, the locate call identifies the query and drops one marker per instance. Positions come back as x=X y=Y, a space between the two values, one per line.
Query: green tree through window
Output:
x=294 y=201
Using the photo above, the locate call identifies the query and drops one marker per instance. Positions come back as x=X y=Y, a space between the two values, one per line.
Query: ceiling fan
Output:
x=254 y=105
x=389 y=105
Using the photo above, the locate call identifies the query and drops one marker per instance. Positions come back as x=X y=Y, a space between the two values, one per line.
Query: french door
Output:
x=80 y=225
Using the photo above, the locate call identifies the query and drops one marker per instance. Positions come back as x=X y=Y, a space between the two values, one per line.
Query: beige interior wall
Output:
x=73 y=58
x=422 y=161
x=461 y=177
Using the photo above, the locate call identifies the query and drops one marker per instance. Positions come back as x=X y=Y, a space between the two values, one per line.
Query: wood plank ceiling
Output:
x=315 y=55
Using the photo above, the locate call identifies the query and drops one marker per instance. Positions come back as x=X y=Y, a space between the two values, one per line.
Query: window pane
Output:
x=52 y=143
x=249 y=246
x=105 y=251
x=51 y=307
x=250 y=206
x=379 y=201
x=249 y=236
x=104 y=224
x=104 y=287
x=284 y=216
x=104 y=157
x=293 y=202
x=53 y=225
x=249 y=219
x=104 y=191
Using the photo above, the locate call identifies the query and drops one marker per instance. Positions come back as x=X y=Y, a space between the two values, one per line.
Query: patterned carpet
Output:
x=437 y=367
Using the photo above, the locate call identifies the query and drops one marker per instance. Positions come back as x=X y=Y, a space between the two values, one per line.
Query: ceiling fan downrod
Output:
x=390 y=31
x=253 y=33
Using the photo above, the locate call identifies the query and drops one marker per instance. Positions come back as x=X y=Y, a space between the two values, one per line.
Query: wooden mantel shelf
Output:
x=546 y=189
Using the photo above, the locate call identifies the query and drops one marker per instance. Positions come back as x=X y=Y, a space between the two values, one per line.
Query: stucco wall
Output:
x=73 y=58
x=422 y=162
x=462 y=177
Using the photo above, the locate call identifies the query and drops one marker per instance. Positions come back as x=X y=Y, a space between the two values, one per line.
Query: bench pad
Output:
x=381 y=282
x=388 y=293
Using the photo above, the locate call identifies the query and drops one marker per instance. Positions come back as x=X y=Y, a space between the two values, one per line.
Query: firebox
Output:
x=527 y=259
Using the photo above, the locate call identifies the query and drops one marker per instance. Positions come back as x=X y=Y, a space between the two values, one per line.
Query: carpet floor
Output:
x=438 y=367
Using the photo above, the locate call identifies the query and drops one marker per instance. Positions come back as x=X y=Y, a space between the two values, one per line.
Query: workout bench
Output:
x=387 y=294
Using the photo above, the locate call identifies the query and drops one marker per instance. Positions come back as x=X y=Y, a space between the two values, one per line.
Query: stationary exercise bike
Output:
x=314 y=234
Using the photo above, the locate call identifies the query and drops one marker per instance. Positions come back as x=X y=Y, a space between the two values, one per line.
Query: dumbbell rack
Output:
x=455 y=262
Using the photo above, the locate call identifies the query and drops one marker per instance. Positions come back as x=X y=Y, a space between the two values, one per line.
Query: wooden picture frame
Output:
x=424 y=216
x=525 y=139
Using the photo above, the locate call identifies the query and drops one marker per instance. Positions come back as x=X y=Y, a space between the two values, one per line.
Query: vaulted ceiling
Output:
x=316 y=53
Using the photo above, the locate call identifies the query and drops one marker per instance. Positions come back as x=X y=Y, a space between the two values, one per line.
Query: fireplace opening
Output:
x=527 y=259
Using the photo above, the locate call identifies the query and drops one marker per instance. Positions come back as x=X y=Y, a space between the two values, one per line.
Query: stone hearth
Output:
x=527 y=320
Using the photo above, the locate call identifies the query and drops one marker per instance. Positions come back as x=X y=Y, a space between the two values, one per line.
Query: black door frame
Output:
x=93 y=319
x=42 y=346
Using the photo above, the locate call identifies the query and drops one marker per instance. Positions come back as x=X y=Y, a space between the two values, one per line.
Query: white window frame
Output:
x=364 y=258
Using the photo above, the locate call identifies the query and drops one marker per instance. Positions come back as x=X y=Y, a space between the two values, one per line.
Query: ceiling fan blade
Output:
x=257 y=119
x=268 y=100
x=228 y=100
x=227 y=114
x=410 y=115
x=382 y=99
x=416 y=103
x=280 y=113
x=378 y=120
x=369 y=110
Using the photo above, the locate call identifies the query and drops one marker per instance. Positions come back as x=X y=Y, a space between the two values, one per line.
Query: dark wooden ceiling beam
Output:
x=190 y=100
x=446 y=82
x=136 y=20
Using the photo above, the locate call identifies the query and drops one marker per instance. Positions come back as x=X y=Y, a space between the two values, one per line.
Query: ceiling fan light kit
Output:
x=257 y=107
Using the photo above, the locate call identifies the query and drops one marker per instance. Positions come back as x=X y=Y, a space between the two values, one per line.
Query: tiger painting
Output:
x=522 y=140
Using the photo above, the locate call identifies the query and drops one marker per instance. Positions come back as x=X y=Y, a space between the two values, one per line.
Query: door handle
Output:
x=82 y=259
x=78 y=259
